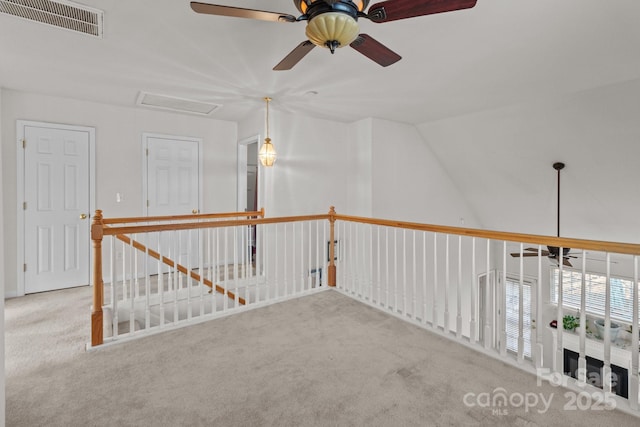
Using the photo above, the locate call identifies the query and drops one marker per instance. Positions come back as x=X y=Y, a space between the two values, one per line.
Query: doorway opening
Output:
x=250 y=190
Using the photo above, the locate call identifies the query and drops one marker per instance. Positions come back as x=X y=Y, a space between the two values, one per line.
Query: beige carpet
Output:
x=322 y=360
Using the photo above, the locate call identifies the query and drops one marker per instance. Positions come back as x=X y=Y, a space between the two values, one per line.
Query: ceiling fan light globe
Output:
x=332 y=26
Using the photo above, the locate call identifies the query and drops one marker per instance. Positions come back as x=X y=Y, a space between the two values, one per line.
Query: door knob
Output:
x=83 y=216
x=195 y=211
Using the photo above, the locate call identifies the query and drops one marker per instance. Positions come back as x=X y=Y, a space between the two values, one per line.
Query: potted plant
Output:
x=570 y=323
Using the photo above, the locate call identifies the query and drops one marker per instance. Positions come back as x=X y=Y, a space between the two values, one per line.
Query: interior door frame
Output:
x=241 y=195
x=145 y=184
x=20 y=167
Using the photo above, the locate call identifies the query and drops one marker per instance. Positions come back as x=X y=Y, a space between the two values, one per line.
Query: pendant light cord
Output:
x=267 y=99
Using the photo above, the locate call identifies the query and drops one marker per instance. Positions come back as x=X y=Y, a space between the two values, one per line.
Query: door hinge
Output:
x=24 y=206
x=24 y=143
x=24 y=267
x=147 y=203
x=147 y=150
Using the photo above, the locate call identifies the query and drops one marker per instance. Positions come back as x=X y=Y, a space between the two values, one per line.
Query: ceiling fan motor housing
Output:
x=554 y=251
x=331 y=24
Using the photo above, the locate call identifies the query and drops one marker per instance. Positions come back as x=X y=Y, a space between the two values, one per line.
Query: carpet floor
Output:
x=320 y=360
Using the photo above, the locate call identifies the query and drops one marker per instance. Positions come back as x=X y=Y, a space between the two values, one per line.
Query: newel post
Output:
x=98 y=288
x=332 y=247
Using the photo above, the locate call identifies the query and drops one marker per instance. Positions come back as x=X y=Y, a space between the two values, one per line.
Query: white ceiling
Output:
x=501 y=52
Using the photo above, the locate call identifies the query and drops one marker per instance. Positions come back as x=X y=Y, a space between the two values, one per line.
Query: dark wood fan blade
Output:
x=374 y=50
x=295 y=56
x=238 y=12
x=524 y=254
x=392 y=10
x=535 y=250
x=566 y=262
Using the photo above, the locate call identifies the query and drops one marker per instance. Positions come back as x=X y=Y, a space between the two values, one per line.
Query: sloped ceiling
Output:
x=499 y=91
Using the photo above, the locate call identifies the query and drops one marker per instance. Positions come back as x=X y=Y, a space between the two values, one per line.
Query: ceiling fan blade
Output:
x=392 y=10
x=294 y=56
x=374 y=50
x=524 y=254
x=238 y=12
x=566 y=262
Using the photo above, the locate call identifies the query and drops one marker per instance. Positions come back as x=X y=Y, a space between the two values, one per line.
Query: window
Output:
x=595 y=286
x=513 y=315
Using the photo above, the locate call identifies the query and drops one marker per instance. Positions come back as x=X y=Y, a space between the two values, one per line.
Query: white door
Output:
x=173 y=188
x=56 y=207
x=172 y=175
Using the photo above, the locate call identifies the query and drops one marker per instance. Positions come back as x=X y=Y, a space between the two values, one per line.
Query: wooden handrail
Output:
x=133 y=229
x=132 y=220
x=182 y=269
x=561 y=242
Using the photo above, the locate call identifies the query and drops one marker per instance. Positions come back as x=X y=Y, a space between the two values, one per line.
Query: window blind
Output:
x=595 y=286
x=512 y=289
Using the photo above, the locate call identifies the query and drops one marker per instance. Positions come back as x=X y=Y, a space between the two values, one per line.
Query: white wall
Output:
x=118 y=155
x=360 y=171
x=501 y=160
x=310 y=173
x=2 y=283
x=409 y=183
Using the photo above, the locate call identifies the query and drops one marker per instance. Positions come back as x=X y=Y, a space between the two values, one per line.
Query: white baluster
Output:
x=160 y=279
x=379 y=266
x=415 y=280
x=132 y=314
x=459 y=291
x=606 y=369
x=424 y=278
x=276 y=263
x=502 y=312
x=388 y=282
x=447 y=284
x=487 y=334
x=147 y=283
x=474 y=294
x=520 y=304
x=405 y=312
x=539 y=350
x=582 y=360
x=558 y=365
x=114 y=289
x=395 y=271
x=434 y=303
x=236 y=301
x=175 y=240
x=189 y=267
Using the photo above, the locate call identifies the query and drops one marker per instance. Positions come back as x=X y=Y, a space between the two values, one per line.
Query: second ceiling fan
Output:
x=552 y=252
x=333 y=23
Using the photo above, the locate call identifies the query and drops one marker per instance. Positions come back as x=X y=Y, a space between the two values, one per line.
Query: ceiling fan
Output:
x=333 y=23
x=552 y=252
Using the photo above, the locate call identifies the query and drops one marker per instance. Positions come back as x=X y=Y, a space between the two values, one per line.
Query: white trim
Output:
x=145 y=137
x=242 y=173
x=20 y=126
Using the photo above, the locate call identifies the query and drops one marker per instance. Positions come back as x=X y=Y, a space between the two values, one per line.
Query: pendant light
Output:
x=267 y=153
